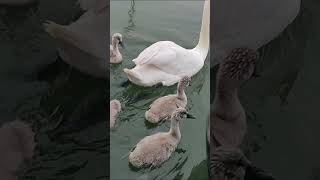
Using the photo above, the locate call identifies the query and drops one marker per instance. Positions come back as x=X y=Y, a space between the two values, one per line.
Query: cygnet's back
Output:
x=155 y=149
x=163 y=107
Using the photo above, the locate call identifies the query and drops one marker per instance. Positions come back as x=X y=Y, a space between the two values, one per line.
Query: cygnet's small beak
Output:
x=122 y=44
x=190 y=116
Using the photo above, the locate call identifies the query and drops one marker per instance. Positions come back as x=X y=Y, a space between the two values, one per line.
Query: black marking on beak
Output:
x=190 y=116
x=122 y=44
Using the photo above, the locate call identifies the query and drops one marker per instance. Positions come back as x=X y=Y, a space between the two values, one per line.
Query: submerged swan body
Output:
x=228 y=119
x=166 y=62
x=82 y=43
x=115 y=55
x=115 y=108
x=163 y=107
x=155 y=149
x=249 y=23
x=16 y=146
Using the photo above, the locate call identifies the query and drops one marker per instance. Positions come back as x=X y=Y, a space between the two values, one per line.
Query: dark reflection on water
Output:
x=65 y=107
x=282 y=104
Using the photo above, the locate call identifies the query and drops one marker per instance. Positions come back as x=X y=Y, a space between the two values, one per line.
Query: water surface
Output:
x=142 y=24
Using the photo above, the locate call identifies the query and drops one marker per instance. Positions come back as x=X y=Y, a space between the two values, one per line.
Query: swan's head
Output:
x=239 y=65
x=184 y=82
x=117 y=38
x=179 y=114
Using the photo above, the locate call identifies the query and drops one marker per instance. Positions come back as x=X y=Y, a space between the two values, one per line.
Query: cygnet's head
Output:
x=184 y=82
x=117 y=38
x=239 y=65
x=179 y=114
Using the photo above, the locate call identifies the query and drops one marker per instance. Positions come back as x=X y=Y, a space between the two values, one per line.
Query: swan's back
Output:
x=153 y=150
x=170 y=58
x=163 y=107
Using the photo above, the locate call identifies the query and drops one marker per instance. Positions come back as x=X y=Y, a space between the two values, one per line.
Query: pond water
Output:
x=142 y=23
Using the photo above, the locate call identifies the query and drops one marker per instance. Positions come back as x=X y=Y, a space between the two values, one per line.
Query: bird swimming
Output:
x=163 y=107
x=155 y=149
x=165 y=62
x=115 y=55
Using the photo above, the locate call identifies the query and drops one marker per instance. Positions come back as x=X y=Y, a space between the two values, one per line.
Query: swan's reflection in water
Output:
x=131 y=26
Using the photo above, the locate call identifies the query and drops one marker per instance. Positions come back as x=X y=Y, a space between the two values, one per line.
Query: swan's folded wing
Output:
x=160 y=54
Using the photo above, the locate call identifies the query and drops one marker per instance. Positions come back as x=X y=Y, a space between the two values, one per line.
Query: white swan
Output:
x=155 y=149
x=228 y=124
x=115 y=55
x=82 y=44
x=115 y=108
x=163 y=107
x=166 y=62
x=248 y=23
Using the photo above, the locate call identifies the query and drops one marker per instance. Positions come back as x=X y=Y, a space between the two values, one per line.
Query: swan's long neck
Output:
x=204 y=38
x=174 y=129
x=180 y=91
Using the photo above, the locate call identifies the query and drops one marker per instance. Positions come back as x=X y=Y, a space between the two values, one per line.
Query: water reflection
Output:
x=131 y=26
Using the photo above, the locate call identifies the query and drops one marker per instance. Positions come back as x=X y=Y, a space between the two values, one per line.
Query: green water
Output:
x=142 y=24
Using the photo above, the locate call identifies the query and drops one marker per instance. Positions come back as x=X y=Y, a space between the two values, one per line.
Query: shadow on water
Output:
x=65 y=107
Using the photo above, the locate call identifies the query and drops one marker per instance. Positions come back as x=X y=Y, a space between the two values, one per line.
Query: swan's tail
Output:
x=132 y=75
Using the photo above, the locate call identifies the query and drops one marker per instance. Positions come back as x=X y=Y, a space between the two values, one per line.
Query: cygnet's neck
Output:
x=180 y=92
x=204 y=38
x=115 y=45
x=175 y=129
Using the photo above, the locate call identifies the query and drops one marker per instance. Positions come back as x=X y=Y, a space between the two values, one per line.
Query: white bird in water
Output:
x=249 y=23
x=82 y=43
x=163 y=107
x=115 y=55
x=115 y=108
x=166 y=62
x=156 y=149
